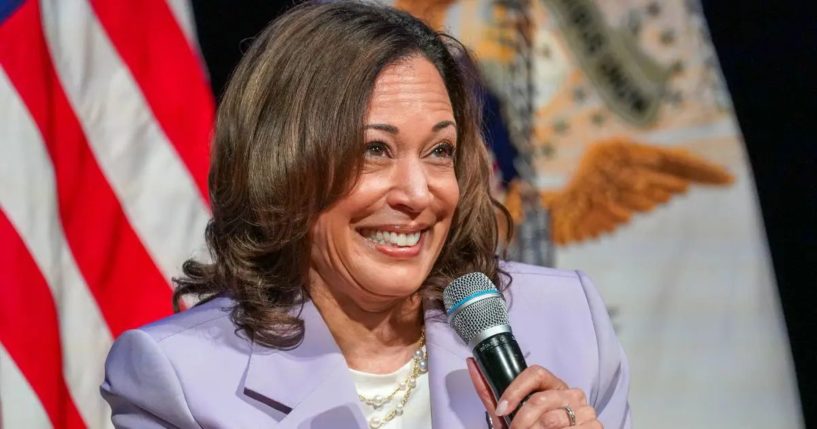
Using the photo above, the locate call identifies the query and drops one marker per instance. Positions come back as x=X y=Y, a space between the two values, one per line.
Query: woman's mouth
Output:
x=390 y=238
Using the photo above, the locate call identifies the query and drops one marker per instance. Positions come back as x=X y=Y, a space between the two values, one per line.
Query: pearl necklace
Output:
x=419 y=366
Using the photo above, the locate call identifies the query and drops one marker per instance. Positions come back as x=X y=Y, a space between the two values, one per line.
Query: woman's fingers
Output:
x=549 y=410
x=533 y=379
x=484 y=392
x=545 y=406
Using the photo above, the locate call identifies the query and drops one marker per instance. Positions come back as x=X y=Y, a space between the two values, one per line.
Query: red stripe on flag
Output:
x=169 y=73
x=124 y=280
x=29 y=328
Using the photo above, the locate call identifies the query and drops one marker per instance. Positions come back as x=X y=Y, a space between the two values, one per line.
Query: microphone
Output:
x=478 y=314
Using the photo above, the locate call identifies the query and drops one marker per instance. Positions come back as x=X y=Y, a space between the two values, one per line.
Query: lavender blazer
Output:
x=191 y=370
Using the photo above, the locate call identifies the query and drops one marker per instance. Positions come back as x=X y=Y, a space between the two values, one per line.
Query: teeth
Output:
x=393 y=238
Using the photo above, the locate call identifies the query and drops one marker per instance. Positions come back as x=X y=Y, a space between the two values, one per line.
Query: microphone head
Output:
x=475 y=308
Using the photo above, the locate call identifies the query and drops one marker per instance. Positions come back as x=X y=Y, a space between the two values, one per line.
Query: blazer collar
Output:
x=308 y=383
x=312 y=382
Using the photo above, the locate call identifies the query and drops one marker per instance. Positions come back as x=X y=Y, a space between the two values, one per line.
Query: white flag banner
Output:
x=627 y=138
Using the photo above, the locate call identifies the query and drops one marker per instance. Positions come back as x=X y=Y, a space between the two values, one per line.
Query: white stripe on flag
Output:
x=28 y=197
x=154 y=187
x=19 y=405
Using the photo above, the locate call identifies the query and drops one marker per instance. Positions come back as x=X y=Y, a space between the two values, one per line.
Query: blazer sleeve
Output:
x=609 y=397
x=142 y=387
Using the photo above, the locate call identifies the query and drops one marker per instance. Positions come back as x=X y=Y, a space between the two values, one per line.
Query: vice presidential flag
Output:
x=629 y=147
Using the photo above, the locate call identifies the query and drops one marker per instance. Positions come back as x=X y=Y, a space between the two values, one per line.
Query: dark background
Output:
x=767 y=51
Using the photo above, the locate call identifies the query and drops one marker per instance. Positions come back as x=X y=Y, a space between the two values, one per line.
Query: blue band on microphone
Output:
x=459 y=303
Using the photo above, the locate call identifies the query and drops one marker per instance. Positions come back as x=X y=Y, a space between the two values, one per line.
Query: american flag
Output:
x=105 y=120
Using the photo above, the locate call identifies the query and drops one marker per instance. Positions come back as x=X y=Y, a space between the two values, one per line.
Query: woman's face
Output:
x=379 y=243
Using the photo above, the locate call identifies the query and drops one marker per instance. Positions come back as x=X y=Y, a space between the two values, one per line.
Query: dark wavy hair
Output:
x=288 y=144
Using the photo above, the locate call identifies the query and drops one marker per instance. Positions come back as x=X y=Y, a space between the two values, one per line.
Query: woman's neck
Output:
x=376 y=341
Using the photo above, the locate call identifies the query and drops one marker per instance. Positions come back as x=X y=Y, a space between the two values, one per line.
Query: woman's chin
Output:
x=392 y=281
x=394 y=286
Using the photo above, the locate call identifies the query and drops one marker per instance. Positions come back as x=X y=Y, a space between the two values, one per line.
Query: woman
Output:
x=349 y=185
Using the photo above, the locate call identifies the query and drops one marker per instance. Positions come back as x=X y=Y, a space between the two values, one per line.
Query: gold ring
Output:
x=570 y=415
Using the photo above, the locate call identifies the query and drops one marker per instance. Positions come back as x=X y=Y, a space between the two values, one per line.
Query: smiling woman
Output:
x=380 y=241
x=350 y=185
x=375 y=101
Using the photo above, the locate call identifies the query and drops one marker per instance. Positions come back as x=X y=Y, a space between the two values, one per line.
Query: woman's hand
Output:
x=547 y=407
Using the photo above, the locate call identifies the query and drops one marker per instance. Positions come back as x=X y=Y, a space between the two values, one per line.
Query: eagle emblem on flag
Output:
x=593 y=116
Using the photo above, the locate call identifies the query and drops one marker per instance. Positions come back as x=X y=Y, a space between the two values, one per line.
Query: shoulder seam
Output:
x=186 y=328
x=178 y=380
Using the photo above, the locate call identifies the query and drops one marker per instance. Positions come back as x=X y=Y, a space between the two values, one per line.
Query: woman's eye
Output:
x=377 y=149
x=443 y=150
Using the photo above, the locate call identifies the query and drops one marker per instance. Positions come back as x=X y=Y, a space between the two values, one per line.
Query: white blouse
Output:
x=417 y=411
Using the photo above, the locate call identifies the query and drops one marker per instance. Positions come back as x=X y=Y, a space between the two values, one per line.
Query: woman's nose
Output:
x=410 y=190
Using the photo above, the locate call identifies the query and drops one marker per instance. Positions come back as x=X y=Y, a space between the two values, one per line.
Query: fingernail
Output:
x=502 y=408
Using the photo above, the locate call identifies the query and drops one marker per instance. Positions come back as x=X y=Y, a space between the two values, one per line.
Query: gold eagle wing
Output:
x=618 y=178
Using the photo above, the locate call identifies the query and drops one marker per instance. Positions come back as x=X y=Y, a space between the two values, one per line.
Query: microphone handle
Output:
x=500 y=360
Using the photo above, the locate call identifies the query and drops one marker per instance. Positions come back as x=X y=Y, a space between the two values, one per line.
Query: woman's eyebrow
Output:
x=391 y=129
x=442 y=124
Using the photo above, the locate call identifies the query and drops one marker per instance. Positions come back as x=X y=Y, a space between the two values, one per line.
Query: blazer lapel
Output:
x=454 y=401
x=310 y=385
